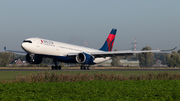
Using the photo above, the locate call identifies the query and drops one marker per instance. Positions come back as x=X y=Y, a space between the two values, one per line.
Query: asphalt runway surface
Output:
x=91 y=70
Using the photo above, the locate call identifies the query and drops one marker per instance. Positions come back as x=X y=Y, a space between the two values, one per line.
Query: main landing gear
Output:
x=56 y=67
x=85 y=67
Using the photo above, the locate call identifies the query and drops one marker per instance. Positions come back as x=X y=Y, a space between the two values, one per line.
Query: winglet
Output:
x=170 y=49
x=5 y=48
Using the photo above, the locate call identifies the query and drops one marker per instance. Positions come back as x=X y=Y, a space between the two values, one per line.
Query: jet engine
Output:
x=33 y=59
x=84 y=58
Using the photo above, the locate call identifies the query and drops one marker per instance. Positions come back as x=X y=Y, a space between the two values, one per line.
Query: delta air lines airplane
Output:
x=37 y=48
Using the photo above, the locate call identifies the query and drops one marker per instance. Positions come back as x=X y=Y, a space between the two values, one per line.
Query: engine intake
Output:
x=84 y=58
x=33 y=59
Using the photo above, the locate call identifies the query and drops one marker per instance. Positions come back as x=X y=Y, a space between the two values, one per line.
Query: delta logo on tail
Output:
x=108 y=45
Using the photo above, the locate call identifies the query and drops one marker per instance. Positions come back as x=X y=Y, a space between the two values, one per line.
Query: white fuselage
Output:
x=53 y=48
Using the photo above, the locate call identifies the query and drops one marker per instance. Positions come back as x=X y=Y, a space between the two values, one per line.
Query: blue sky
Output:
x=154 y=23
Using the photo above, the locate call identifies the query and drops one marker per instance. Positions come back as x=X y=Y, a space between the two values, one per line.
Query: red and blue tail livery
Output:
x=108 y=45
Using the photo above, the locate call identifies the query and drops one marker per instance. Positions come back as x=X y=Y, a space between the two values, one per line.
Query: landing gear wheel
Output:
x=59 y=67
x=88 y=68
x=52 y=67
x=56 y=67
x=84 y=67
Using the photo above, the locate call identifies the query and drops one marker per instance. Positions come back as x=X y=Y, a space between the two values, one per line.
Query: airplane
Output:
x=37 y=48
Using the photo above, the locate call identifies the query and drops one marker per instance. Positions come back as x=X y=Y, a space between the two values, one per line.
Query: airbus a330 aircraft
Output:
x=37 y=48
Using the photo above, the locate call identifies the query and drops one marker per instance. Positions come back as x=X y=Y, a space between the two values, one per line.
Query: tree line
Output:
x=145 y=59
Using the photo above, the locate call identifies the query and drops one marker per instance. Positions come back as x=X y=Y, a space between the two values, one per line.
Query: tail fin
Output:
x=108 y=45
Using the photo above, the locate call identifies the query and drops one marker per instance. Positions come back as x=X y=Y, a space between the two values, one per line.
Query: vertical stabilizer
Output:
x=108 y=45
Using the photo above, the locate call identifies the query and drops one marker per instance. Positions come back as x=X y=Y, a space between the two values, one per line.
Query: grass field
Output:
x=9 y=75
x=162 y=90
x=99 y=89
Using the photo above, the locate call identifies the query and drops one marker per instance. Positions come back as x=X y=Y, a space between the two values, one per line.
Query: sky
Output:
x=154 y=23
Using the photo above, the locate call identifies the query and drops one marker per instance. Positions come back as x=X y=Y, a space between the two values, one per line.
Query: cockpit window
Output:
x=27 y=41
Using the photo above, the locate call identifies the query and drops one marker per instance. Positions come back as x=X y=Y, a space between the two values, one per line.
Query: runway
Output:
x=91 y=70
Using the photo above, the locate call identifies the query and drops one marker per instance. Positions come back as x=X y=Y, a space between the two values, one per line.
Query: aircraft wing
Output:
x=123 y=53
x=14 y=51
x=118 y=53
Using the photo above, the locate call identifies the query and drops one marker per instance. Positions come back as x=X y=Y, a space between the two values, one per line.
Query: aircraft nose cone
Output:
x=23 y=45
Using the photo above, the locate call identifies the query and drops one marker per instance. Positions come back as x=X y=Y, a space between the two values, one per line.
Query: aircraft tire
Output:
x=52 y=67
x=82 y=67
x=59 y=67
x=56 y=68
x=88 y=68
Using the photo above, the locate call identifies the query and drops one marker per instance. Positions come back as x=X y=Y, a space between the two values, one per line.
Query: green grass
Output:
x=9 y=75
x=128 y=90
x=167 y=90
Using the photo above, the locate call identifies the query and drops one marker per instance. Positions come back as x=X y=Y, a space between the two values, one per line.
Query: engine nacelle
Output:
x=84 y=58
x=33 y=59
